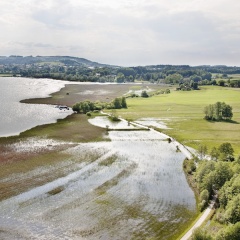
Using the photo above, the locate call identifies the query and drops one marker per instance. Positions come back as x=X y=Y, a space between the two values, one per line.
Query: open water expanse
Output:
x=132 y=187
x=16 y=117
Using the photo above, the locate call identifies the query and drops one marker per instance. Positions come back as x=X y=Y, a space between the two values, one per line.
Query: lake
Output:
x=16 y=117
x=132 y=187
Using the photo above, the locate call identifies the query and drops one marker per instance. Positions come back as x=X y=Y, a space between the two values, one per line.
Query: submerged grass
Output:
x=18 y=182
x=109 y=161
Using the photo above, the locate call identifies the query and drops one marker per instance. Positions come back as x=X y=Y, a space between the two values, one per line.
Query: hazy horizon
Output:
x=124 y=33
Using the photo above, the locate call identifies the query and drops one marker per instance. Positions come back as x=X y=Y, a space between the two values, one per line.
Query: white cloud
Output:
x=126 y=32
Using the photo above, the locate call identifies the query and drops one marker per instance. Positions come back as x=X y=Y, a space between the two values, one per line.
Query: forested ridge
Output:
x=83 y=70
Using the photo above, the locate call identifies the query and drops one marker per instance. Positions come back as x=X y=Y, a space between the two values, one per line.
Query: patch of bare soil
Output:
x=80 y=92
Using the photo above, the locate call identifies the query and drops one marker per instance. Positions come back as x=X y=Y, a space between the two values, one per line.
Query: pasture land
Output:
x=183 y=113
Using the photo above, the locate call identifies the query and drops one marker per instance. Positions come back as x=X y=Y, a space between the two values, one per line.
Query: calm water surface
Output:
x=132 y=187
x=16 y=117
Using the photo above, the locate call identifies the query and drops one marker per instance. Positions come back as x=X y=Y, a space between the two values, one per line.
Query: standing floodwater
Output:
x=16 y=117
x=130 y=188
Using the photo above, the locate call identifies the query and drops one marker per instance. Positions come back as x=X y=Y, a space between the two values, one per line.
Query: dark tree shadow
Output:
x=226 y=121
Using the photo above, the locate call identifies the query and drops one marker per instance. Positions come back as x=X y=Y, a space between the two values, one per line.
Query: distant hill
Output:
x=66 y=60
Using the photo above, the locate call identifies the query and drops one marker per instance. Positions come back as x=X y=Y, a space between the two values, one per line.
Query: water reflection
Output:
x=16 y=117
x=130 y=188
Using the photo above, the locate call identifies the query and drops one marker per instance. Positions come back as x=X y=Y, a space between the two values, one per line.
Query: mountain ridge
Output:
x=66 y=60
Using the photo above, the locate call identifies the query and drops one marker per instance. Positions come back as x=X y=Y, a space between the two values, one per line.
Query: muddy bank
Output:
x=73 y=93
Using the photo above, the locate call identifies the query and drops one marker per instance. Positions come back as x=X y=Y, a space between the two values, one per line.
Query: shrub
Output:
x=200 y=234
x=144 y=94
x=232 y=213
x=231 y=232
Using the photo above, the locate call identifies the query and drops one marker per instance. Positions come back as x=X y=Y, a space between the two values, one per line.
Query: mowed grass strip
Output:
x=183 y=112
x=74 y=128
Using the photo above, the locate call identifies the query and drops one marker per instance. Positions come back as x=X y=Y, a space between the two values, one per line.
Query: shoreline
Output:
x=186 y=152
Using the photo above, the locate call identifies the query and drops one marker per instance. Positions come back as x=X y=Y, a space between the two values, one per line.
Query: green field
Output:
x=5 y=75
x=183 y=112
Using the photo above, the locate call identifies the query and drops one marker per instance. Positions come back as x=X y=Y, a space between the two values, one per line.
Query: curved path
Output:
x=189 y=155
x=199 y=222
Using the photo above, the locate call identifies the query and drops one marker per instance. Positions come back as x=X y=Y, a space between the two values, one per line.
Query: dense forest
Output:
x=83 y=70
x=217 y=179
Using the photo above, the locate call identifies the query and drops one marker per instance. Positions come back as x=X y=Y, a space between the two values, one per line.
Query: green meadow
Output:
x=182 y=111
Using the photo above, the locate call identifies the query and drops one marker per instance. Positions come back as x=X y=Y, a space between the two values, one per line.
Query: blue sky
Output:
x=124 y=32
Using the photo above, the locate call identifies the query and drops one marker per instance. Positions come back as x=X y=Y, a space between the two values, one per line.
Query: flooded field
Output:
x=132 y=187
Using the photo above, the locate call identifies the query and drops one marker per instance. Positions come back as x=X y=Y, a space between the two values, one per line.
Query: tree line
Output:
x=219 y=177
x=88 y=106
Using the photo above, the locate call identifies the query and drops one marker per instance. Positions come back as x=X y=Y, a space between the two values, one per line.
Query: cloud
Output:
x=126 y=32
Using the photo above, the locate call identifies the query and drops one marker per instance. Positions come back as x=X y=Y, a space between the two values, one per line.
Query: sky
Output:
x=124 y=32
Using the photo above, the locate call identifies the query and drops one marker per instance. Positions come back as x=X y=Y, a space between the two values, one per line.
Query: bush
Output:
x=204 y=195
x=144 y=94
x=200 y=234
x=232 y=232
x=167 y=91
x=232 y=213
x=202 y=205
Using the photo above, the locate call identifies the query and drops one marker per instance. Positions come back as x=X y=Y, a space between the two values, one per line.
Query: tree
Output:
x=227 y=111
x=196 y=78
x=204 y=196
x=222 y=174
x=144 y=94
x=194 y=85
x=124 y=103
x=200 y=234
x=231 y=232
x=218 y=111
x=173 y=78
x=226 y=152
x=221 y=83
x=229 y=190
x=207 y=76
x=117 y=103
x=114 y=116
x=214 y=154
x=120 y=78
x=202 y=149
x=167 y=91
x=232 y=213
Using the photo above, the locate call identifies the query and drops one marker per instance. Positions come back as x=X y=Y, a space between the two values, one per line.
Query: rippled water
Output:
x=16 y=117
x=130 y=188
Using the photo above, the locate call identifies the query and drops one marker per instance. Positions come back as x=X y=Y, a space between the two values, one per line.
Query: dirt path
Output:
x=199 y=222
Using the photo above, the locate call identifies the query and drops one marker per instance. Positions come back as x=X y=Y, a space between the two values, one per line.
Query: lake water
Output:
x=16 y=117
